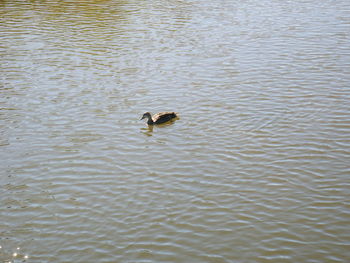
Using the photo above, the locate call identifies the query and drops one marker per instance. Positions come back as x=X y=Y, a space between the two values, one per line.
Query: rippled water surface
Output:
x=255 y=170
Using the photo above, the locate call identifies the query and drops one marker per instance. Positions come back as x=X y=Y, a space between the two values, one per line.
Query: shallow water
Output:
x=255 y=170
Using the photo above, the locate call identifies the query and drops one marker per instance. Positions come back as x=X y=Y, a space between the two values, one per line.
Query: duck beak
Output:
x=142 y=117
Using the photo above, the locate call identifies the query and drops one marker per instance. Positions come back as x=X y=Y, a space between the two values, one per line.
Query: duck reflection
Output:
x=149 y=129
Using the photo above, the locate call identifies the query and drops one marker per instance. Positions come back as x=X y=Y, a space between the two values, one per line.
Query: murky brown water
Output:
x=255 y=170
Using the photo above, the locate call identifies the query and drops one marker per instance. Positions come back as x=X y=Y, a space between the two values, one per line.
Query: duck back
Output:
x=163 y=117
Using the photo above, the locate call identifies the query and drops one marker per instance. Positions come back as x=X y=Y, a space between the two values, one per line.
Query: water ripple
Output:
x=254 y=170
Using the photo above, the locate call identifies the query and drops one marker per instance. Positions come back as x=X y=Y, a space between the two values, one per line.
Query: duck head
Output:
x=146 y=115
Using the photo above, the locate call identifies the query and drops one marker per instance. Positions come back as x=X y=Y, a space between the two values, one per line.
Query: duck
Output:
x=160 y=117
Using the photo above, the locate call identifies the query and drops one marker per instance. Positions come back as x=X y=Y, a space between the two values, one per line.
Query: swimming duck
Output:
x=159 y=118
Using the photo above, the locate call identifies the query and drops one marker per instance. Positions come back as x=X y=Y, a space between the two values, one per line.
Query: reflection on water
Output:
x=255 y=170
x=149 y=129
x=13 y=255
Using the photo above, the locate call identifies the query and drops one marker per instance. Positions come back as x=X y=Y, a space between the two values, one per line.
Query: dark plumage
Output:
x=159 y=118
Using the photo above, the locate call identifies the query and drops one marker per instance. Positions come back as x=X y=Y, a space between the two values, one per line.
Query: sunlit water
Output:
x=255 y=170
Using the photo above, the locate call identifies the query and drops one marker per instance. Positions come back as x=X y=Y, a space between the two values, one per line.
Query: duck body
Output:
x=160 y=117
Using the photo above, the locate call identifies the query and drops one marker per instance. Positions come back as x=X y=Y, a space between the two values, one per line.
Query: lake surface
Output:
x=257 y=168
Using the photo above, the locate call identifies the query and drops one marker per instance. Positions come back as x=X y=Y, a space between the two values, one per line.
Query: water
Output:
x=255 y=170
